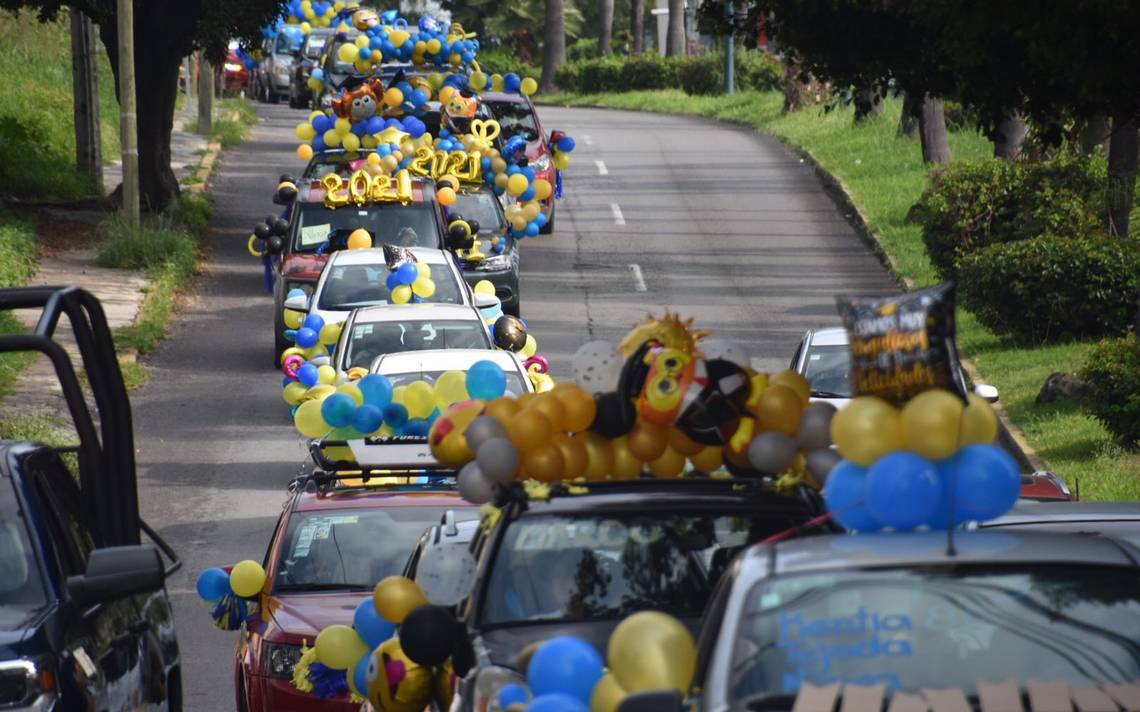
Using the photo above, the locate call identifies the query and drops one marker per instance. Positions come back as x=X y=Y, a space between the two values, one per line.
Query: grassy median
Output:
x=884 y=175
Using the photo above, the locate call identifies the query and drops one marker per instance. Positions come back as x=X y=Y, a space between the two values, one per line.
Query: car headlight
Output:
x=231 y=67
x=542 y=163
x=280 y=659
x=493 y=263
x=489 y=682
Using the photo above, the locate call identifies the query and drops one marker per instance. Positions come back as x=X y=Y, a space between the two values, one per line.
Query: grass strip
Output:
x=18 y=255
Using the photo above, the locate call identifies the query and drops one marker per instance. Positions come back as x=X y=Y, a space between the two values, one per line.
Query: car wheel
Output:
x=549 y=226
x=279 y=341
x=274 y=97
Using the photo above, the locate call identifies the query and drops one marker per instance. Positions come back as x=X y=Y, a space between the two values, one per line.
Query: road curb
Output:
x=205 y=167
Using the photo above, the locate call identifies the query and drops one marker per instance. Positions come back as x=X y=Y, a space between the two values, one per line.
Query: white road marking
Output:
x=589 y=141
x=602 y=170
x=638 y=278
x=619 y=219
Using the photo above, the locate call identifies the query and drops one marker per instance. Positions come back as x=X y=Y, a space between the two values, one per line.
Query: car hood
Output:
x=303 y=263
x=306 y=614
x=503 y=645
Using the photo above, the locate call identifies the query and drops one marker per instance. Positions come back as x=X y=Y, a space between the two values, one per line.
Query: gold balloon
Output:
x=708 y=459
x=647 y=441
x=670 y=464
x=549 y=405
x=580 y=406
x=530 y=430
x=575 y=458
x=979 y=422
x=599 y=456
x=397 y=596
x=503 y=409
x=339 y=647
x=544 y=463
x=652 y=651
x=626 y=466
x=780 y=409
x=866 y=429
x=683 y=443
x=607 y=694
x=930 y=424
x=793 y=380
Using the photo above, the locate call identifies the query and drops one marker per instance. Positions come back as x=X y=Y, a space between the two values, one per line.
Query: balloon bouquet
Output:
x=230 y=593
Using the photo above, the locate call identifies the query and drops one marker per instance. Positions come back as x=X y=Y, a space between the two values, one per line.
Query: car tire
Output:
x=279 y=341
x=549 y=226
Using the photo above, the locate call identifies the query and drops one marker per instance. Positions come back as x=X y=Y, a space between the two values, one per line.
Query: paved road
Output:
x=716 y=222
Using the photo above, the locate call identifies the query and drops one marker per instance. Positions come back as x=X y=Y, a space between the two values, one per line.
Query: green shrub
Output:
x=701 y=74
x=145 y=247
x=649 y=71
x=582 y=48
x=758 y=71
x=503 y=60
x=1053 y=288
x=1113 y=375
x=193 y=211
x=698 y=74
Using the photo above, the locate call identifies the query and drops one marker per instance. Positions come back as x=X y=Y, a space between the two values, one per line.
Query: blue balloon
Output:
x=486 y=380
x=392 y=281
x=512 y=169
x=338 y=409
x=291 y=334
x=527 y=195
x=322 y=123
x=360 y=673
x=407 y=273
x=364 y=52
x=532 y=229
x=314 y=322
x=286 y=381
x=377 y=390
x=374 y=125
x=557 y=702
x=512 y=82
x=416 y=427
x=985 y=481
x=308 y=374
x=846 y=496
x=296 y=292
x=213 y=584
x=566 y=144
x=528 y=172
x=541 y=219
x=367 y=418
x=318 y=74
x=404 y=88
x=307 y=338
x=360 y=128
x=318 y=143
x=414 y=127
x=419 y=96
x=510 y=694
x=396 y=415
x=371 y=628
x=565 y=665
x=904 y=490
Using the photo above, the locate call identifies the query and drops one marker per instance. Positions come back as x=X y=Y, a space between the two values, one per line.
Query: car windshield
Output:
x=515 y=119
x=314 y=47
x=938 y=628
x=605 y=566
x=368 y=341
x=482 y=207
x=349 y=287
x=515 y=385
x=351 y=548
x=412 y=225
x=828 y=369
x=288 y=42
x=22 y=591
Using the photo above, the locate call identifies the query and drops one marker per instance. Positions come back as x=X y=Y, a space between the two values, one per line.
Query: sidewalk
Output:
x=186 y=150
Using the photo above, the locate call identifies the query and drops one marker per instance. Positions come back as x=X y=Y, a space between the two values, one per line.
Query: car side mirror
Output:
x=297 y=303
x=486 y=301
x=653 y=701
x=986 y=392
x=117 y=572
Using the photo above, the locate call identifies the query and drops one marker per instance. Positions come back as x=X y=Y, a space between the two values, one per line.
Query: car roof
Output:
x=375 y=255
x=443 y=360
x=498 y=97
x=902 y=550
x=1061 y=512
x=376 y=497
x=415 y=312
x=828 y=336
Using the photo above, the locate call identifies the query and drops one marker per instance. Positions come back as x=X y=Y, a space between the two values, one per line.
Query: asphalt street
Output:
x=714 y=222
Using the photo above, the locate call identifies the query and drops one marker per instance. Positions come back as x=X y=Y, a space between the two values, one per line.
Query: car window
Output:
x=515 y=119
x=353 y=286
x=368 y=341
x=351 y=548
x=288 y=42
x=411 y=225
x=555 y=567
x=938 y=628
x=515 y=385
x=314 y=47
x=828 y=369
x=22 y=591
x=480 y=206
x=62 y=501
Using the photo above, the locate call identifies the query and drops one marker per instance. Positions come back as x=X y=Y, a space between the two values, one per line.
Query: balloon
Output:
x=309 y=421
x=247 y=578
x=549 y=405
x=820 y=463
x=866 y=429
x=451 y=387
x=511 y=694
x=358 y=680
x=402 y=294
x=367 y=419
x=531 y=346
x=497 y=456
x=339 y=647
x=779 y=410
x=292 y=318
x=903 y=490
x=419 y=399
x=428 y=635
x=503 y=409
x=599 y=456
x=626 y=466
x=446 y=196
x=930 y=423
x=579 y=408
x=650 y=650
x=423 y=288
x=293 y=393
x=377 y=390
x=305 y=152
x=596 y=366
x=771 y=453
x=397 y=596
x=607 y=694
x=359 y=239
x=474 y=486
x=326 y=374
x=566 y=665
x=338 y=410
x=371 y=628
x=484 y=286
x=509 y=333
x=528 y=86
x=542 y=189
x=647 y=441
x=985 y=482
x=670 y=464
x=517 y=184
x=557 y=702
x=447 y=435
x=979 y=422
x=708 y=459
x=330 y=333
x=213 y=583
x=846 y=497
x=814 y=432
x=308 y=375
x=543 y=462
x=511 y=82
x=486 y=380
x=482 y=429
x=306 y=338
x=574 y=455
x=790 y=379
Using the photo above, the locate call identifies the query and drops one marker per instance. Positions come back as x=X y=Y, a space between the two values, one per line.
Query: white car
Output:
x=372 y=332
x=353 y=279
x=824 y=359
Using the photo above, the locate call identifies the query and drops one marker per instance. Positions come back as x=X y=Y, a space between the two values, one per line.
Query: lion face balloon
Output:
x=670 y=384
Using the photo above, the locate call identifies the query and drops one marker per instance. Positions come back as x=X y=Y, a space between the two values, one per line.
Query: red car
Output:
x=517 y=117
x=331 y=545
x=235 y=75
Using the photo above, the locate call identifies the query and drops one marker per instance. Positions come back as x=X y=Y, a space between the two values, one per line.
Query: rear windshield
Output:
x=22 y=591
x=368 y=341
x=411 y=225
x=349 y=287
x=314 y=47
x=828 y=369
x=515 y=385
x=515 y=119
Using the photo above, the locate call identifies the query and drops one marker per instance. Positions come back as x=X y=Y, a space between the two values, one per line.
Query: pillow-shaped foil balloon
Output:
x=903 y=345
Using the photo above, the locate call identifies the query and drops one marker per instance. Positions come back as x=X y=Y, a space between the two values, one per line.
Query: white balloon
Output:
x=473 y=485
x=597 y=366
x=726 y=349
x=446 y=573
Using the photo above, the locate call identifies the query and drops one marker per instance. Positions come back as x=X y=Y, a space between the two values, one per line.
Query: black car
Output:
x=578 y=563
x=479 y=203
x=312 y=49
x=85 y=622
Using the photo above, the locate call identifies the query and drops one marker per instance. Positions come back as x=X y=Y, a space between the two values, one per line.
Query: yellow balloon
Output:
x=352 y=391
x=362 y=41
x=652 y=651
x=359 y=239
x=517 y=184
x=305 y=131
x=293 y=319
x=318 y=393
x=247 y=578
x=306 y=28
x=930 y=424
x=530 y=211
x=309 y=420
x=433 y=46
x=411 y=692
x=293 y=393
x=397 y=596
x=423 y=288
x=424 y=270
x=348 y=52
x=451 y=387
x=496 y=82
x=542 y=189
x=304 y=152
x=866 y=429
x=402 y=294
x=330 y=333
x=326 y=375
x=351 y=142
x=477 y=81
x=342 y=126
x=331 y=138
x=561 y=160
x=530 y=348
x=979 y=422
x=373 y=159
x=485 y=286
x=528 y=86
x=419 y=399
x=607 y=694
x=339 y=647
x=398 y=37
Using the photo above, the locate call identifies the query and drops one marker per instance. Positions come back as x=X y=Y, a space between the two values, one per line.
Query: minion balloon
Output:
x=395 y=683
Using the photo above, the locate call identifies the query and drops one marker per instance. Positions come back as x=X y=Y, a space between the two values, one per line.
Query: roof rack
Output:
x=327 y=471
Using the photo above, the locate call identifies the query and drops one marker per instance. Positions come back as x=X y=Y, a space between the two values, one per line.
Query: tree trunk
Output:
x=868 y=103
x=675 y=36
x=606 y=31
x=1010 y=137
x=1094 y=134
x=932 y=128
x=911 y=115
x=1122 y=149
x=554 y=43
x=637 y=24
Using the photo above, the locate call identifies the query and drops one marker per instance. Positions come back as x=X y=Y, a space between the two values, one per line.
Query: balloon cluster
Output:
x=307 y=14
x=227 y=592
x=313 y=340
x=394 y=39
x=510 y=83
x=268 y=235
x=931 y=464
x=367 y=130
x=410 y=281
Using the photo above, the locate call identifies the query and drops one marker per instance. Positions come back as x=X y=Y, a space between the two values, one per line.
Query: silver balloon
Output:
x=446 y=573
x=771 y=452
x=498 y=459
x=814 y=432
x=482 y=429
x=474 y=486
x=725 y=349
x=821 y=462
x=597 y=366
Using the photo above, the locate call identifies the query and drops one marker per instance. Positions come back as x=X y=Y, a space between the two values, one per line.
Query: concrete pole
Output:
x=205 y=97
x=730 y=52
x=128 y=120
x=85 y=89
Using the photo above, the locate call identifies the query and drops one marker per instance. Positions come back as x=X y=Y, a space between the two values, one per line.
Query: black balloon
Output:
x=274 y=244
x=429 y=634
x=474 y=225
x=509 y=333
x=262 y=231
x=286 y=193
x=286 y=178
x=280 y=226
x=459 y=236
x=615 y=417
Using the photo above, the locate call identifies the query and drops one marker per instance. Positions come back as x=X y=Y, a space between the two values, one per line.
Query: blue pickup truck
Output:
x=85 y=622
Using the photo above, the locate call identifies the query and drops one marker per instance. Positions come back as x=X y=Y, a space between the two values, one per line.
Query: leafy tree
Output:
x=165 y=32
x=513 y=23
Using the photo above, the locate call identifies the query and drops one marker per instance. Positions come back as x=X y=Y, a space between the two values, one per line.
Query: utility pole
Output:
x=730 y=50
x=128 y=121
x=205 y=97
x=85 y=89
